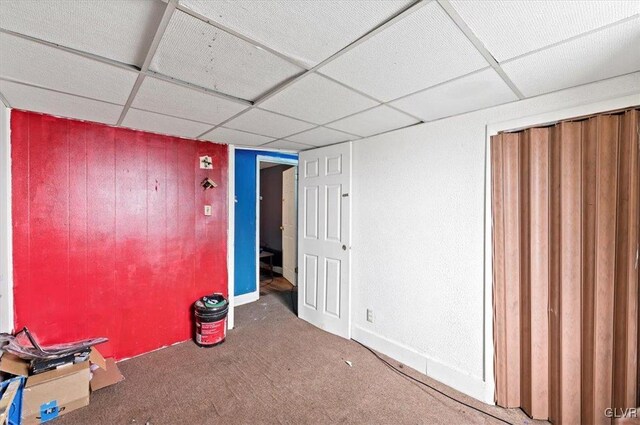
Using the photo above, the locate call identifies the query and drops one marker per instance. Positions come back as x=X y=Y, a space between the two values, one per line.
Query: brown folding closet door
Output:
x=565 y=274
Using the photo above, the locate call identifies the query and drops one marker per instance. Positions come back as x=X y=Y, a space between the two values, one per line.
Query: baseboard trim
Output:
x=246 y=298
x=448 y=375
x=393 y=349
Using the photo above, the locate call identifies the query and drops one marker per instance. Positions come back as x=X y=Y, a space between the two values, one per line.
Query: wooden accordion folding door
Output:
x=565 y=268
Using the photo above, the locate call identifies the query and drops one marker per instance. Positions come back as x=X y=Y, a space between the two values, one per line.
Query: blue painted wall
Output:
x=245 y=221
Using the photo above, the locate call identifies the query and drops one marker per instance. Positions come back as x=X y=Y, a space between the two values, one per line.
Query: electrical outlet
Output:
x=369 y=315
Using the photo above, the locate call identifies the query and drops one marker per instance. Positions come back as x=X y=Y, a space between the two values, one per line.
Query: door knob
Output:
x=344 y=247
x=281 y=227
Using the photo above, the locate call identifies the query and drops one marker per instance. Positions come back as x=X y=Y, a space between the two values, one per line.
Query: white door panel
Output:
x=324 y=238
x=289 y=225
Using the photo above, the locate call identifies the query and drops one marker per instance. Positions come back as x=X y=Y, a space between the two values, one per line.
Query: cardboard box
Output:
x=63 y=390
x=106 y=373
x=55 y=393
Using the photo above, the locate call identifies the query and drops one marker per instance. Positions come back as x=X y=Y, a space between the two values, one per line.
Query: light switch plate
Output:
x=207 y=210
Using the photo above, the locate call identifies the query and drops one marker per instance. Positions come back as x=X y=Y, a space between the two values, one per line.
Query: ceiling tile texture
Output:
x=321 y=136
x=268 y=124
x=59 y=104
x=34 y=63
x=150 y=121
x=307 y=31
x=317 y=99
x=236 y=137
x=602 y=54
x=196 y=52
x=285 y=144
x=476 y=91
x=171 y=99
x=118 y=30
x=509 y=28
x=421 y=50
x=373 y=121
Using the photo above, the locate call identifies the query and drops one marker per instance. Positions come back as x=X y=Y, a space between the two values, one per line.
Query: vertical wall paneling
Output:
x=570 y=271
x=626 y=278
x=565 y=239
x=554 y=276
x=535 y=364
x=589 y=167
x=109 y=232
x=499 y=326
x=511 y=167
x=606 y=204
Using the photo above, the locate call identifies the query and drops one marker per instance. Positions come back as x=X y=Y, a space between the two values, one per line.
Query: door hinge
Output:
x=345 y=195
x=637 y=254
x=295 y=270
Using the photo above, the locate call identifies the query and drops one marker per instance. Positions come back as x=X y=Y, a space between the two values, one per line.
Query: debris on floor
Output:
x=349 y=363
x=53 y=380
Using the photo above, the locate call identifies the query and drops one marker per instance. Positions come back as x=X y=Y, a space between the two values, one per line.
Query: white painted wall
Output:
x=6 y=262
x=418 y=250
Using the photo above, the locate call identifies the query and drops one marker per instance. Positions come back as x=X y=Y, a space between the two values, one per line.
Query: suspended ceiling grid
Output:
x=297 y=74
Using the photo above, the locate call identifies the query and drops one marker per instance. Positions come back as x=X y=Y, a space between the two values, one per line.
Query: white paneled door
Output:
x=289 y=225
x=324 y=238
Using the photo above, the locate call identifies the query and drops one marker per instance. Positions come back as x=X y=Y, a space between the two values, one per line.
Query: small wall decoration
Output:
x=206 y=163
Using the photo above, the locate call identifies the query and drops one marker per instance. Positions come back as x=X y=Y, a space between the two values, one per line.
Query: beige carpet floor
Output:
x=275 y=369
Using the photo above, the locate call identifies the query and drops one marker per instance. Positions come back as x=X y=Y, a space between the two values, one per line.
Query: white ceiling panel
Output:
x=267 y=123
x=285 y=144
x=171 y=99
x=317 y=99
x=476 y=91
x=373 y=121
x=236 y=137
x=119 y=30
x=321 y=136
x=150 y=121
x=420 y=51
x=64 y=105
x=509 y=28
x=603 y=54
x=37 y=64
x=194 y=51
x=308 y=31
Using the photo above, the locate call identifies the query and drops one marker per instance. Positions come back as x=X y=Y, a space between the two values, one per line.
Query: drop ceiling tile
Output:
x=373 y=121
x=509 y=28
x=321 y=136
x=268 y=124
x=287 y=145
x=59 y=104
x=308 y=31
x=118 y=30
x=420 y=51
x=236 y=137
x=150 y=121
x=476 y=91
x=171 y=99
x=194 y=51
x=30 y=62
x=317 y=99
x=603 y=54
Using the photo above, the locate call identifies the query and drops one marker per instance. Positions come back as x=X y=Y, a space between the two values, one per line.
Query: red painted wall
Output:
x=109 y=233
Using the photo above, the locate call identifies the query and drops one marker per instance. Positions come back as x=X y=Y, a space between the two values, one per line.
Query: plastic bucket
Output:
x=210 y=314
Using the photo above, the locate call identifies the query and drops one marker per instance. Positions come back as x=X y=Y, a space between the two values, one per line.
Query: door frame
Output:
x=272 y=160
x=493 y=129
